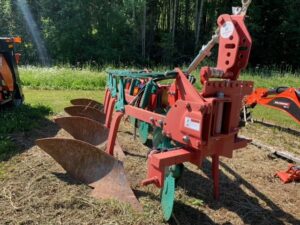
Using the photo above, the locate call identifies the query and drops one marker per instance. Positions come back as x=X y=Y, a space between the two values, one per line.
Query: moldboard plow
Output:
x=185 y=125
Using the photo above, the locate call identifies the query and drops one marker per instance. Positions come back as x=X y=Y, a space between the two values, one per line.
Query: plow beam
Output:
x=94 y=167
x=85 y=111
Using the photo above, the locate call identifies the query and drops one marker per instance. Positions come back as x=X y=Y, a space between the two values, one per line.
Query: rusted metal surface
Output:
x=90 y=131
x=84 y=129
x=118 y=151
x=87 y=102
x=85 y=111
x=92 y=166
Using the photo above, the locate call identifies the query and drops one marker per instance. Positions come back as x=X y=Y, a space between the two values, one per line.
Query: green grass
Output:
x=274 y=80
x=21 y=119
x=57 y=100
x=60 y=78
x=39 y=105
x=66 y=78
x=274 y=116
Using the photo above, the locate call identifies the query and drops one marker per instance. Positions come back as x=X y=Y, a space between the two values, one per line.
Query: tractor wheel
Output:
x=17 y=99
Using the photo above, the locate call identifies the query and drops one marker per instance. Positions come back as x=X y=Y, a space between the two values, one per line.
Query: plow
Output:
x=182 y=124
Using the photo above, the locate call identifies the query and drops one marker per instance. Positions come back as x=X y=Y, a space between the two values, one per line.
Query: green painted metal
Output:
x=142 y=74
x=177 y=170
x=144 y=129
x=121 y=102
x=112 y=85
x=168 y=196
x=160 y=141
x=150 y=89
x=173 y=173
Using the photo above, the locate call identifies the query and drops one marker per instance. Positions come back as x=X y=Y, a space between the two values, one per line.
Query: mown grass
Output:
x=21 y=119
x=62 y=78
x=57 y=100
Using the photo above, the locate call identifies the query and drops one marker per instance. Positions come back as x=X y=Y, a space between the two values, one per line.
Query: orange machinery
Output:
x=10 y=84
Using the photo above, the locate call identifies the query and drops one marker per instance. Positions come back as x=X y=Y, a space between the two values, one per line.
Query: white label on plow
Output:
x=189 y=123
x=227 y=29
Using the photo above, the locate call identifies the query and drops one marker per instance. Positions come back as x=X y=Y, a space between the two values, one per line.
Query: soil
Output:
x=34 y=189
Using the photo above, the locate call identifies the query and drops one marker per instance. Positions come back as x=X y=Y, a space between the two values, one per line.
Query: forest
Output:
x=145 y=32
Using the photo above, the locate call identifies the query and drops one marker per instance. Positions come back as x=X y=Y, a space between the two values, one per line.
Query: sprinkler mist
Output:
x=34 y=31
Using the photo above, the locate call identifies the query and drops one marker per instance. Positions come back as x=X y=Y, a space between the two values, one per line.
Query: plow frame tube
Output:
x=106 y=100
x=109 y=113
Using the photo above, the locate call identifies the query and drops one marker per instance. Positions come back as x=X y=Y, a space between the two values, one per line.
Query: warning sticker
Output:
x=193 y=125
x=227 y=29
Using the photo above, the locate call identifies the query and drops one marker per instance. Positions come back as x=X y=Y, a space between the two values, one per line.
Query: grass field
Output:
x=59 y=78
x=62 y=78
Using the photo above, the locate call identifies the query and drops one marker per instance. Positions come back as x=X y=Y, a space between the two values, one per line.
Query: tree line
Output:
x=149 y=32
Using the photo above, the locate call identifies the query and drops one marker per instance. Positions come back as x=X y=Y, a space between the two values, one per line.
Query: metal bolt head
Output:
x=188 y=106
x=161 y=123
x=186 y=138
x=202 y=109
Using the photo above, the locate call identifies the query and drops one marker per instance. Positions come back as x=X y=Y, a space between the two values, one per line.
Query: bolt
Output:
x=202 y=109
x=186 y=139
x=151 y=119
x=161 y=123
x=222 y=21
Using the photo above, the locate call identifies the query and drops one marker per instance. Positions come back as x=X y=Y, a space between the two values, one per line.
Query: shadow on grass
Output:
x=17 y=124
x=182 y=213
x=233 y=198
x=284 y=129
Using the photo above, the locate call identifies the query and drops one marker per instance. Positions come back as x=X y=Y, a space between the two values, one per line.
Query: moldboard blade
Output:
x=85 y=111
x=92 y=166
x=87 y=102
x=116 y=186
x=84 y=129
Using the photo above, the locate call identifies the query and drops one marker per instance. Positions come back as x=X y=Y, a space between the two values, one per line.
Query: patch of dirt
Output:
x=36 y=190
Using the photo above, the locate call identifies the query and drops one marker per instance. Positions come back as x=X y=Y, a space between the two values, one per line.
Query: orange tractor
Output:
x=10 y=84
